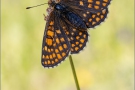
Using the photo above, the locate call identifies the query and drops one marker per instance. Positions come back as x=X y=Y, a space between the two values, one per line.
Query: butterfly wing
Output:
x=55 y=47
x=90 y=15
x=91 y=5
x=77 y=38
x=93 y=19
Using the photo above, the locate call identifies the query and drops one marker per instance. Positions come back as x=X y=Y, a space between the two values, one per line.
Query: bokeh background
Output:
x=107 y=62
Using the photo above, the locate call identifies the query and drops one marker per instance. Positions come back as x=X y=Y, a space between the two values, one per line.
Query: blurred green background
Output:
x=107 y=62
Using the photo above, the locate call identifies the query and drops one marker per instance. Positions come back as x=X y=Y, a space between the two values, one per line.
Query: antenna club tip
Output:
x=28 y=7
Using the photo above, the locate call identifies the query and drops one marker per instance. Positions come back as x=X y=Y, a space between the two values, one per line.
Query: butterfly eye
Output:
x=58 y=7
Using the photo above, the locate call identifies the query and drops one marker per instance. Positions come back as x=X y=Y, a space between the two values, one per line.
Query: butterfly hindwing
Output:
x=93 y=19
x=77 y=38
x=55 y=47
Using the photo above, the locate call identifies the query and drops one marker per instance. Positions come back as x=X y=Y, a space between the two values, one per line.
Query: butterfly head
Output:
x=51 y=3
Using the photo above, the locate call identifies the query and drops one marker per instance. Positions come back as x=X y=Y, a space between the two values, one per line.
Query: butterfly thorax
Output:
x=60 y=8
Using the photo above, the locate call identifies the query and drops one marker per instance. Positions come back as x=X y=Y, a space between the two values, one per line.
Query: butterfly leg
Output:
x=45 y=17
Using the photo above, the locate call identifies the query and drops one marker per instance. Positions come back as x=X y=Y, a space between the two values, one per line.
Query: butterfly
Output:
x=67 y=24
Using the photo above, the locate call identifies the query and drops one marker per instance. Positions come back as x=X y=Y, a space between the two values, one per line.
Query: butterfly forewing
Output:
x=55 y=47
x=91 y=5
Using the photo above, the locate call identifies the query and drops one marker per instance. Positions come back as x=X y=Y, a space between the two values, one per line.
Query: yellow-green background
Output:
x=106 y=63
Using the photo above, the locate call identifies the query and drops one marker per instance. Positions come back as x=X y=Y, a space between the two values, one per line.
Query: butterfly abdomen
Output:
x=75 y=20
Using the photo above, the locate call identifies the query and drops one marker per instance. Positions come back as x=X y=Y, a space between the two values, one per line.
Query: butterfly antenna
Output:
x=35 y=6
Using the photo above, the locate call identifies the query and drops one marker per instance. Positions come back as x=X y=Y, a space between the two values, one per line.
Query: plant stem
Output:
x=74 y=73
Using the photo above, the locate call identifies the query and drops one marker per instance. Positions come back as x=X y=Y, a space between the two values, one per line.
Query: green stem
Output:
x=74 y=73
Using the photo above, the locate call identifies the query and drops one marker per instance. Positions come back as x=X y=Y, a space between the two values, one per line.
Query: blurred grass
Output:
x=107 y=63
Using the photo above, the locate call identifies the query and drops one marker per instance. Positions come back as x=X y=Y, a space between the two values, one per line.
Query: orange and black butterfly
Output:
x=67 y=25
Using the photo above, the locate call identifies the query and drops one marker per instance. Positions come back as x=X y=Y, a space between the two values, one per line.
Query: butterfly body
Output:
x=70 y=17
x=66 y=27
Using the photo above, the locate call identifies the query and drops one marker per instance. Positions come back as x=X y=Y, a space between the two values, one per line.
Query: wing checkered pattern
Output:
x=77 y=38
